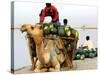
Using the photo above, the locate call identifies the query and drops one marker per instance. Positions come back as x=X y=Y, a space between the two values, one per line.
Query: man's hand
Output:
x=53 y=21
x=41 y=23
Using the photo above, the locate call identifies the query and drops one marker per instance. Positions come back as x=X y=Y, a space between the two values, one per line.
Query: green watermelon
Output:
x=78 y=56
x=82 y=57
x=51 y=26
x=85 y=49
x=95 y=53
x=46 y=24
x=53 y=30
x=79 y=50
x=86 y=54
x=68 y=33
x=66 y=28
x=91 y=55
x=46 y=30
x=74 y=33
x=55 y=25
x=61 y=31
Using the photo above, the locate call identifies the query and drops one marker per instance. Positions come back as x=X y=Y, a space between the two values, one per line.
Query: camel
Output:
x=46 y=54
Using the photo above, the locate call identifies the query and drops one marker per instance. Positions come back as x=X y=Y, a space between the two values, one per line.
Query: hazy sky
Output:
x=28 y=12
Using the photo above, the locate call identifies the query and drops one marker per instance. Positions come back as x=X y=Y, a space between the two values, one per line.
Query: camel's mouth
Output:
x=23 y=29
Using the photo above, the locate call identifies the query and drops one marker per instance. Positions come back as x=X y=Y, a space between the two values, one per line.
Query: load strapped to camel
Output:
x=69 y=37
x=61 y=31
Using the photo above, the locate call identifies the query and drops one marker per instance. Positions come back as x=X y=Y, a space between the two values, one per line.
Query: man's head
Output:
x=87 y=38
x=48 y=4
x=65 y=21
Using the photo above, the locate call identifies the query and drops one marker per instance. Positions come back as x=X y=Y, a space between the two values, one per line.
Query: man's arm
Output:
x=56 y=15
x=42 y=16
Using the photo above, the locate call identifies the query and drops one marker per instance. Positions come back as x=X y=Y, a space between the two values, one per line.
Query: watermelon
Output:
x=61 y=31
x=53 y=30
x=46 y=30
x=86 y=54
x=82 y=57
x=85 y=49
x=80 y=50
x=46 y=24
x=68 y=33
x=78 y=56
x=95 y=53
x=66 y=28
x=74 y=33
x=91 y=55
x=91 y=50
x=51 y=26
x=55 y=25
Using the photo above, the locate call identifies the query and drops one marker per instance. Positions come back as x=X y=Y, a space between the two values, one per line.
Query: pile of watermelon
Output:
x=50 y=28
x=62 y=31
x=85 y=53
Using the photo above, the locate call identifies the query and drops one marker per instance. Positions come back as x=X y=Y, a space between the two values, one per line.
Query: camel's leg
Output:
x=72 y=52
x=39 y=67
x=55 y=64
x=33 y=61
x=68 y=61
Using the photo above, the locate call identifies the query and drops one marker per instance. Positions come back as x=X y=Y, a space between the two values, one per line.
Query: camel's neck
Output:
x=39 y=45
x=29 y=31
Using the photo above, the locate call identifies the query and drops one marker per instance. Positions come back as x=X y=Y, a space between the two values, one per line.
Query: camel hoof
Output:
x=70 y=67
x=44 y=69
x=36 y=70
x=32 y=68
x=53 y=70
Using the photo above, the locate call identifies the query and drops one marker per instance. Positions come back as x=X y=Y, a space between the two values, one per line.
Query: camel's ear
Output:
x=32 y=27
x=40 y=27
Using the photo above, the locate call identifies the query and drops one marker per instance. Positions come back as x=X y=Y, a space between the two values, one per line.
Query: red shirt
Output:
x=49 y=11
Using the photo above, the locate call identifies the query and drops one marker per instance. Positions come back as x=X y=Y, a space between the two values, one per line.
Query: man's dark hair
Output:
x=65 y=21
x=48 y=4
x=87 y=37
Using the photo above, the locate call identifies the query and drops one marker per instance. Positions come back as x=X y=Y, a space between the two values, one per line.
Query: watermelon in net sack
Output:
x=46 y=24
x=91 y=55
x=74 y=33
x=46 y=30
x=61 y=31
x=67 y=31
x=53 y=30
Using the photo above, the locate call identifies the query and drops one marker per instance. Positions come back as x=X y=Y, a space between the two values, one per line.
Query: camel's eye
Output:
x=23 y=26
x=40 y=27
x=32 y=27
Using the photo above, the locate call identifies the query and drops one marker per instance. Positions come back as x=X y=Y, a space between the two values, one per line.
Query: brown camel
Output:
x=47 y=56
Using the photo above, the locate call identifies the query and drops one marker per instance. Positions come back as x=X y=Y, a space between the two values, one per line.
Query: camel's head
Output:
x=37 y=33
x=37 y=30
x=26 y=27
